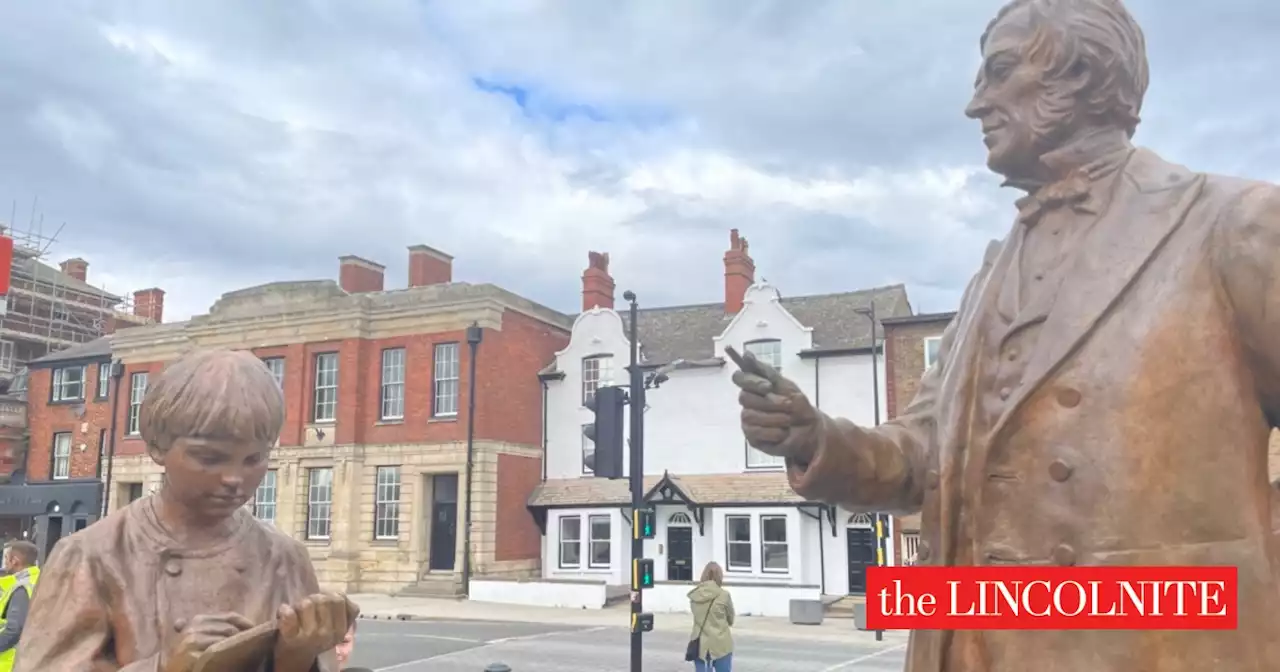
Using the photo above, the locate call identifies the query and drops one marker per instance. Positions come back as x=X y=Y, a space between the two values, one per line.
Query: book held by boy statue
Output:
x=186 y=580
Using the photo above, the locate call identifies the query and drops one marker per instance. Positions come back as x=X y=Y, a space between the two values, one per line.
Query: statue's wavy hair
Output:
x=1094 y=57
x=212 y=394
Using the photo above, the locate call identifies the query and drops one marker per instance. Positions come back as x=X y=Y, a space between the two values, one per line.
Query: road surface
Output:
x=470 y=646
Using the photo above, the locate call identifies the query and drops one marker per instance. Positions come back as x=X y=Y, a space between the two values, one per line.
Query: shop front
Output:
x=48 y=511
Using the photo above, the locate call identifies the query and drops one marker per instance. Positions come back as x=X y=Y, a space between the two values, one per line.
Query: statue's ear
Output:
x=155 y=453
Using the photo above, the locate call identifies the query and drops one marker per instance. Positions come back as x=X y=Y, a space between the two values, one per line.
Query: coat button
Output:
x=931 y=479
x=1068 y=397
x=1064 y=554
x=1005 y=392
x=172 y=567
x=1060 y=471
x=922 y=551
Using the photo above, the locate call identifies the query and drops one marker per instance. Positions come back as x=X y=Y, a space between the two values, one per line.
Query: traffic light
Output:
x=642 y=622
x=642 y=523
x=641 y=574
x=609 y=406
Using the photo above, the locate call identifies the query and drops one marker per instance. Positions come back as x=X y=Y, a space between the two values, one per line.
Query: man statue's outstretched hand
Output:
x=776 y=416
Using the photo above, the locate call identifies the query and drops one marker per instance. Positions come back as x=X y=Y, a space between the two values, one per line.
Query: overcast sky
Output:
x=204 y=146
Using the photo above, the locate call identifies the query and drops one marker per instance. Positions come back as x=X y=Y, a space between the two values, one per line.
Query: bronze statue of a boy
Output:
x=157 y=582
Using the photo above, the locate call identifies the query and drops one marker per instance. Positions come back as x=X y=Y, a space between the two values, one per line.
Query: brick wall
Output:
x=44 y=419
x=904 y=360
x=518 y=538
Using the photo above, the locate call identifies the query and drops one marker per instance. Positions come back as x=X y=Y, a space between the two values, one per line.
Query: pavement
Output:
x=430 y=635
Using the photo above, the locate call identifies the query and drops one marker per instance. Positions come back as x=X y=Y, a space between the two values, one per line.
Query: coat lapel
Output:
x=1151 y=200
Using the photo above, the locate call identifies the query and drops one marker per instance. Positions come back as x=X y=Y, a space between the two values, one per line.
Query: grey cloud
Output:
x=258 y=141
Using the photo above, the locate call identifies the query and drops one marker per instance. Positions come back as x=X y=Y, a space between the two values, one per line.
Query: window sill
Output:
x=316 y=543
x=322 y=423
x=386 y=543
x=769 y=467
x=389 y=422
x=443 y=418
x=66 y=402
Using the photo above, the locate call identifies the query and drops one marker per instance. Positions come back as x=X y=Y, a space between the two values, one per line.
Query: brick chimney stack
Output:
x=357 y=275
x=429 y=266
x=739 y=273
x=597 y=284
x=149 y=303
x=77 y=268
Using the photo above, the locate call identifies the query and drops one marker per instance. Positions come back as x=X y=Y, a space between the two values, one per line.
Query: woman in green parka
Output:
x=712 y=608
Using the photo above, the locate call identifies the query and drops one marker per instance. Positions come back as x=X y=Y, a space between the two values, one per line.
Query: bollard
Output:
x=498 y=667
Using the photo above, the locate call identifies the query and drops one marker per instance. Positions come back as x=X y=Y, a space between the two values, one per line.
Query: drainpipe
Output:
x=117 y=373
x=545 y=392
x=474 y=336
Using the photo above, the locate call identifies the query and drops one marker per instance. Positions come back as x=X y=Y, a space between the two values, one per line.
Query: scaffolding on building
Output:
x=48 y=309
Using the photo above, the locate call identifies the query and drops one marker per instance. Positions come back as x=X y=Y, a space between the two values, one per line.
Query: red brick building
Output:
x=910 y=348
x=371 y=469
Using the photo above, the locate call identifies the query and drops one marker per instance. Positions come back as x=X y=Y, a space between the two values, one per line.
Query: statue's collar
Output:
x=1096 y=155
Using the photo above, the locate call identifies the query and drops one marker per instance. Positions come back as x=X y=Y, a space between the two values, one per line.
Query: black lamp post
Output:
x=474 y=335
x=870 y=312
x=117 y=373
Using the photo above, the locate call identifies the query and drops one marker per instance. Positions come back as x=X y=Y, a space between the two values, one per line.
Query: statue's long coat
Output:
x=1138 y=435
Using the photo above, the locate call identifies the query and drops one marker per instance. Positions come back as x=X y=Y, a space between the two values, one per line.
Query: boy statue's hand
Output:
x=311 y=627
x=198 y=635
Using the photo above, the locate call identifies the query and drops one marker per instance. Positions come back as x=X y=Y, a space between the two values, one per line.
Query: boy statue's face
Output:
x=214 y=476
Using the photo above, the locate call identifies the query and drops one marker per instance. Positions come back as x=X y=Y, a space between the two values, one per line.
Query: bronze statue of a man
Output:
x=1105 y=393
x=153 y=585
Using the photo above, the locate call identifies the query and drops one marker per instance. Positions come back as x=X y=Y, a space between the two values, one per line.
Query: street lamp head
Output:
x=629 y=296
x=474 y=334
x=863 y=311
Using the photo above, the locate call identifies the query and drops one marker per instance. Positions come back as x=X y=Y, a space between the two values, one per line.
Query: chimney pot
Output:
x=597 y=284
x=357 y=275
x=429 y=266
x=149 y=304
x=77 y=268
x=739 y=273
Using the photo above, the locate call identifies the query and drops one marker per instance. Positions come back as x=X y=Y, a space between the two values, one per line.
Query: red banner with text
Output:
x=1051 y=598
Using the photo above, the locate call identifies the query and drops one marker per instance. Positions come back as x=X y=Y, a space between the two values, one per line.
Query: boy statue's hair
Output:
x=212 y=394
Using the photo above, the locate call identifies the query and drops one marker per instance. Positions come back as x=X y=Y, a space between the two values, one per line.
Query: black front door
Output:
x=862 y=554
x=444 y=521
x=679 y=553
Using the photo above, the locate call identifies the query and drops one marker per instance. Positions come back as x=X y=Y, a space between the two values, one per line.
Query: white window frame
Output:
x=910 y=548
x=264 y=498
x=69 y=388
x=929 y=360
x=766 y=544
x=276 y=366
x=324 y=400
x=137 y=392
x=6 y=356
x=386 y=503
x=446 y=365
x=60 y=469
x=575 y=543
x=392 y=393
x=597 y=372
x=767 y=350
x=319 y=503
x=730 y=543
x=593 y=541
x=104 y=380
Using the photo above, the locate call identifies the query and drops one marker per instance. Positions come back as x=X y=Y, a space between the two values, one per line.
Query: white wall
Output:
x=691 y=426
x=748 y=600
x=564 y=594
x=620 y=548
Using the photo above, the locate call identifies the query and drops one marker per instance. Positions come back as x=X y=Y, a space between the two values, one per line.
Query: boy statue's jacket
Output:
x=112 y=596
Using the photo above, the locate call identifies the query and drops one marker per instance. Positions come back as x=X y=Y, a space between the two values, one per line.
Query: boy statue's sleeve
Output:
x=67 y=627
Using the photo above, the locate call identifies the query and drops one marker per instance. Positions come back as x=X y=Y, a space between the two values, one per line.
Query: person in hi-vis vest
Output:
x=16 y=589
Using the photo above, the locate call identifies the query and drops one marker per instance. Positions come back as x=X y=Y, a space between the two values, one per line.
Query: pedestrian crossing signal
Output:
x=642 y=622
x=641 y=574
x=643 y=522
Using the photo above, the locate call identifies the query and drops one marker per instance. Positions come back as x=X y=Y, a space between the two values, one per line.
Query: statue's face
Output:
x=212 y=477
x=1007 y=100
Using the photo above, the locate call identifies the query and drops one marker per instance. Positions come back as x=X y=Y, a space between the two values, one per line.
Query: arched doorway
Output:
x=679 y=547
x=860 y=538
